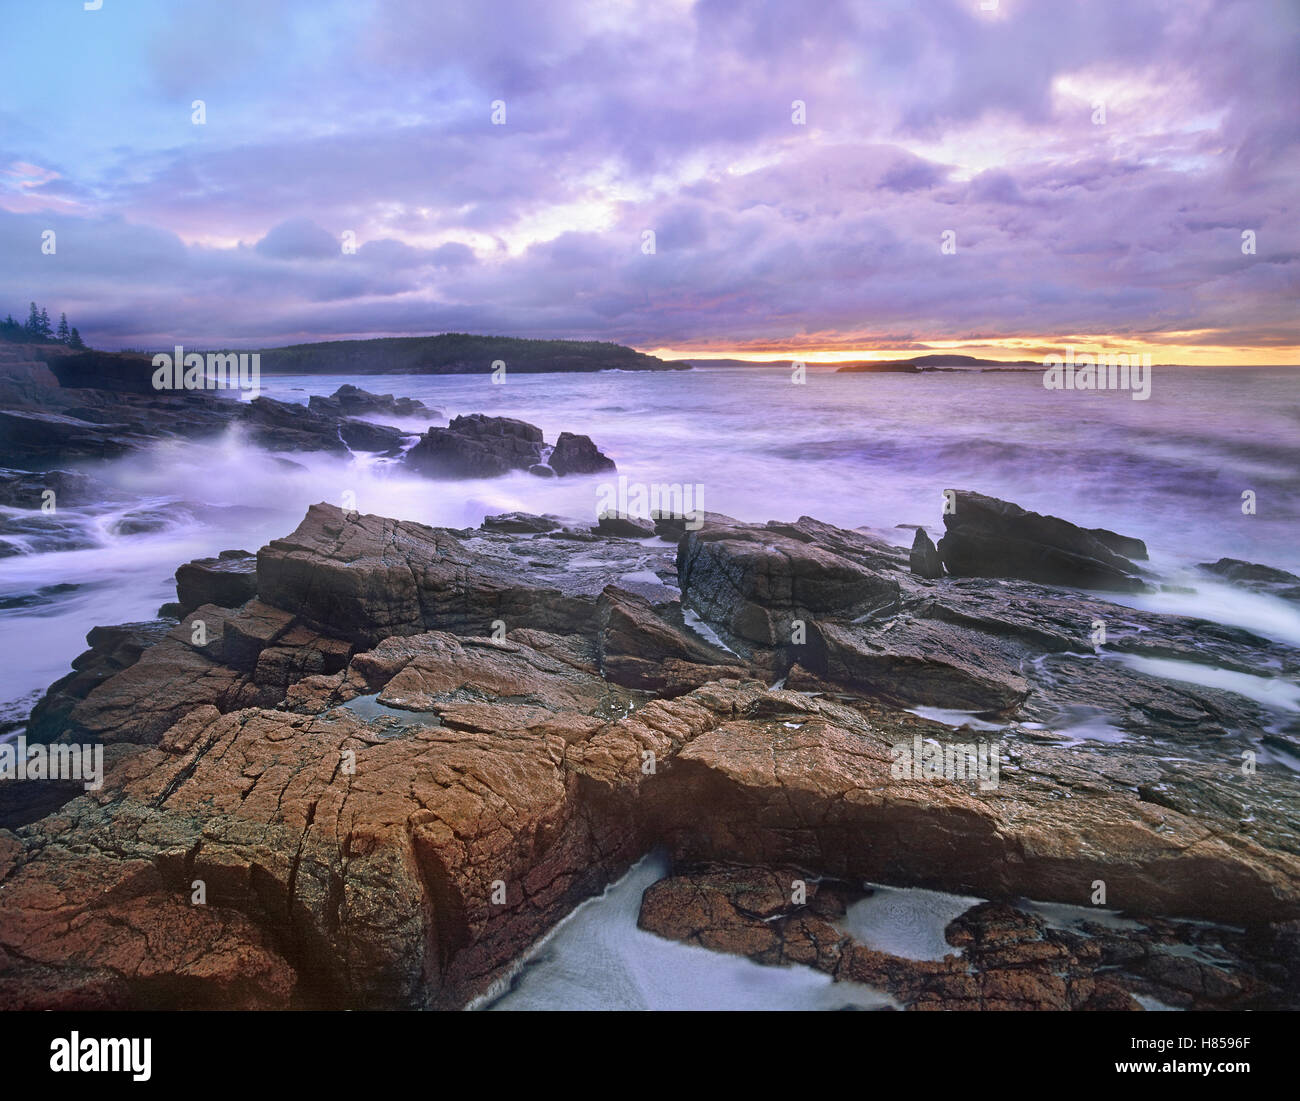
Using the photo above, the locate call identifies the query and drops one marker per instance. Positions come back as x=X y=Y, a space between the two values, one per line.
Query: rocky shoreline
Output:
x=100 y=405
x=391 y=757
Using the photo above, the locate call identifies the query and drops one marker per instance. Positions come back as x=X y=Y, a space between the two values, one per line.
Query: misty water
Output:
x=854 y=450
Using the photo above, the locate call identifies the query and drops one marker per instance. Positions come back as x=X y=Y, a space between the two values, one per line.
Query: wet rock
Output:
x=226 y=581
x=624 y=527
x=352 y=401
x=142 y=521
x=1124 y=545
x=476 y=446
x=672 y=526
x=925 y=662
x=520 y=522
x=640 y=649
x=287 y=426
x=366 y=578
x=364 y=436
x=578 y=455
x=38 y=531
x=924 y=559
x=402 y=718
x=112 y=649
x=809 y=782
x=23 y=489
x=38 y=438
x=987 y=537
x=756 y=582
x=1256 y=578
x=1003 y=956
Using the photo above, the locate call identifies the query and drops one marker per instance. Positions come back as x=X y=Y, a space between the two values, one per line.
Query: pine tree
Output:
x=33 y=326
x=46 y=331
x=74 y=340
x=62 y=334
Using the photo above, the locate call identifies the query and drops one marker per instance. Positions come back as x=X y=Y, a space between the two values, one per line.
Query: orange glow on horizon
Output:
x=1171 y=351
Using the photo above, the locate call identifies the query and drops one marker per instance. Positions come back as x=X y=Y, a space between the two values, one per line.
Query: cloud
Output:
x=298 y=239
x=329 y=116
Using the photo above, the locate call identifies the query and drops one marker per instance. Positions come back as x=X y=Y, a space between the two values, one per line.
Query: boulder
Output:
x=352 y=401
x=23 y=489
x=37 y=438
x=923 y=662
x=363 y=578
x=520 y=522
x=226 y=581
x=640 y=649
x=924 y=559
x=624 y=527
x=756 y=582
x=476 y=446
x=112 y=649
x=362 y=435
x=287 y=426
x=987 y=537
x=1261 y=579
x=578 y=455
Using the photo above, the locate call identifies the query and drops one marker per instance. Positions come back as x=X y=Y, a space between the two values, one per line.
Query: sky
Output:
x=822 y=180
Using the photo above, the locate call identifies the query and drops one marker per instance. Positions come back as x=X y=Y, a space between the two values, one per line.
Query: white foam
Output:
x=1219 y=602
x=1269 y=691
x=597 y=959
x=1062 y=915
x=642 y=577
x=1153 y=1005
x=696 y=624
x=1081 y=724
x=950 y=717
x=907 y=922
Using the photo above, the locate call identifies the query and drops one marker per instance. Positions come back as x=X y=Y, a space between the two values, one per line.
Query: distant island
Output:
x=457 y=354
x=937 y=362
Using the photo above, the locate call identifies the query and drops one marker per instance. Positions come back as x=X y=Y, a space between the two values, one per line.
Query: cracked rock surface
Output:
x=408 y=752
